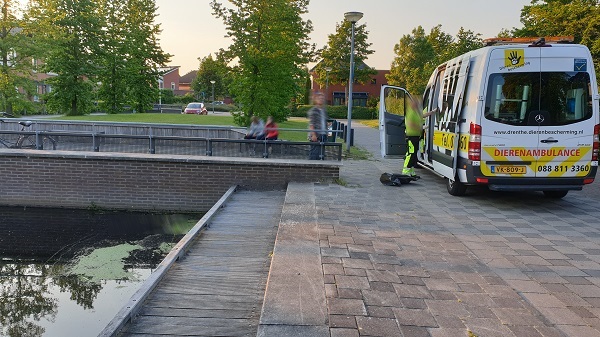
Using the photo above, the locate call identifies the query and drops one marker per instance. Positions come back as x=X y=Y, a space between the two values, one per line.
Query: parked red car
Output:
x=195 y=108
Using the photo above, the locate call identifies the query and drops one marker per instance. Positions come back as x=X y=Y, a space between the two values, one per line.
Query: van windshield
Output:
x=561 y=97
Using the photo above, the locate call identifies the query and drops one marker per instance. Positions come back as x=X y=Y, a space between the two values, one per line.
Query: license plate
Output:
x=507 y=169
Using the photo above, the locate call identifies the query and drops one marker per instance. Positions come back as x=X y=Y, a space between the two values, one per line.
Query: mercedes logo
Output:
x=539 y=119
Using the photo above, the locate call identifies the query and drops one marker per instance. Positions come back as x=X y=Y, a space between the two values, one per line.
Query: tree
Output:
x=143 y=52
x=167 y=96
x=441 y=43
x=577 y=18
x=212 y=70
x=305 y=98
x=418 y=54
x=17 y=48
x=72 y=30
x=466 y=40
x=413 y=62
x=270 y=45
x=336 y=55
x=112 y=93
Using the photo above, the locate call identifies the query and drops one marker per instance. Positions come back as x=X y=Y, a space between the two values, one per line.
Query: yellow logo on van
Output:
x=514 y=58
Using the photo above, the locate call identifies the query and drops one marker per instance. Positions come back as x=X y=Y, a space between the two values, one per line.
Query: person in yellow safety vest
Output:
x=413 y=120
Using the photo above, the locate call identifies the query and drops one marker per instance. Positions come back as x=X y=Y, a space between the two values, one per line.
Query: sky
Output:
x=190 y=31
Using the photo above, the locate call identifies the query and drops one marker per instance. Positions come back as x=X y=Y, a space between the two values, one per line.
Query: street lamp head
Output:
x=213 y=82
x=328 y=69
x=353 y=17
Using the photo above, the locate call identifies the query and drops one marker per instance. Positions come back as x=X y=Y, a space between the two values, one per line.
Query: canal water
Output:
x=68 y=272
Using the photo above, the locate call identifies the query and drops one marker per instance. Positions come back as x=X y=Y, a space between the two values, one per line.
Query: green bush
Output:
x=339 y=112
x=184 y=100
x=222 y=107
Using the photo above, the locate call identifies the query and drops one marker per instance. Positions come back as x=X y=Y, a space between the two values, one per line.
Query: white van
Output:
x=518 y=114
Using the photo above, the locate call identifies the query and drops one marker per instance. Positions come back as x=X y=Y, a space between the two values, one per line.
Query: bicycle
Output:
x=27 y=141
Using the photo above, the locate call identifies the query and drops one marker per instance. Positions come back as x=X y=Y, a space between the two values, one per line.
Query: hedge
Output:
x=339 y=112
x=222 y=107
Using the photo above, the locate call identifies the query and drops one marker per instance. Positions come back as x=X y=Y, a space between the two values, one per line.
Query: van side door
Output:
x=446 y=135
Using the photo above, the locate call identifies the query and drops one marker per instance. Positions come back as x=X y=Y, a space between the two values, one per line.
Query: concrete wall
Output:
x=141 y=181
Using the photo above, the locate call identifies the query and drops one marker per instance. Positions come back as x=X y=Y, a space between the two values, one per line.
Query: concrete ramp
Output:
x=294 y=302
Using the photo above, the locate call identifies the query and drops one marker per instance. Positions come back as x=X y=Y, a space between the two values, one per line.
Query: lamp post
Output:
x=327 y=70
x=353 y=18
x=160 y=85
x=213 y=95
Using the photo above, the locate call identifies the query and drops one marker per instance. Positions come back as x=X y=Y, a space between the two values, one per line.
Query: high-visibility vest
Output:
x=417 y=119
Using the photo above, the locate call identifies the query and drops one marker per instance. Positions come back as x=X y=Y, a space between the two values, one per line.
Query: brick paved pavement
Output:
x=414 y=261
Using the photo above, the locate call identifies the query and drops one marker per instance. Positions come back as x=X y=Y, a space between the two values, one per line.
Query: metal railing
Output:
x=176 y=145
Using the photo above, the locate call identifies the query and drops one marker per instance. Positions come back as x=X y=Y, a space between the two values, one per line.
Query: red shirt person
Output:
x=271 y=132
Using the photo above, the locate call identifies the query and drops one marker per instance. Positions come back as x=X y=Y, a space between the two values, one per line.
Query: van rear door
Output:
x=566 y=131
x=508 y=141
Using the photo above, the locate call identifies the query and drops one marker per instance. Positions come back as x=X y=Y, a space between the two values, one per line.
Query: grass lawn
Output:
x=372 y=123
x=223 y=120
x=216 y=120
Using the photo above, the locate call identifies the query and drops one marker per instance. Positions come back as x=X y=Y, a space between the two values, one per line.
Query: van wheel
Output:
x=455 y=187
x=555 y=194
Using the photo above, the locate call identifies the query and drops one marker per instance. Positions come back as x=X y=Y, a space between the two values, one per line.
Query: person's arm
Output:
x=260 y=129
x=429 y=113
x=251 y=130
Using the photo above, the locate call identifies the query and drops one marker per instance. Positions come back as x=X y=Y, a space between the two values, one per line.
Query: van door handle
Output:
x=549 y=141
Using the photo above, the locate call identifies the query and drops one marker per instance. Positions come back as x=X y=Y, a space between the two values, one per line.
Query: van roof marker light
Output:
x=534 y=41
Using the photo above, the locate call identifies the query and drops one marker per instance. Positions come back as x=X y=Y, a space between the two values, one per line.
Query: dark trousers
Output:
x=315 y=150
x=412 y=145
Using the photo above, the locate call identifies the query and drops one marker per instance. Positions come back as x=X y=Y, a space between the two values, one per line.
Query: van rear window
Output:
x=563 y=97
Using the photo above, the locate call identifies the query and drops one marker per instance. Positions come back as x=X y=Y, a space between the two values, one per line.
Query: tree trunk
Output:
x=74 y=107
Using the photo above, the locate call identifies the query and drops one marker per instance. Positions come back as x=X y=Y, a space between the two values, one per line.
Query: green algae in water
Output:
x=165 y=247
x=178 y=226
x=105 y=263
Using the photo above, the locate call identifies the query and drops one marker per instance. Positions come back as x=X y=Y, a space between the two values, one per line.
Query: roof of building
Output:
x=167 y=70
x=359 y=65
x=189 y=77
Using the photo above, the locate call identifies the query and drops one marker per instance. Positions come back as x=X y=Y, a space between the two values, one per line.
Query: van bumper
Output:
x=529 y=183
x=532 y=186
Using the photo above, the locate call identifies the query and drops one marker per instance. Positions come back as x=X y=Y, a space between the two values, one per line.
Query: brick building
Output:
x=185 y=83
x=335 y=94
x=169 y=78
